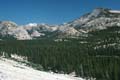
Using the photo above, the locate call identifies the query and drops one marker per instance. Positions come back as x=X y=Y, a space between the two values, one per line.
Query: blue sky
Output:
x=50 y=11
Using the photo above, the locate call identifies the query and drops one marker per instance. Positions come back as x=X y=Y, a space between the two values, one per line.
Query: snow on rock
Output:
x=18 y=58
x=37 y=34
x=11 y=70
x=114 y=11
x=32 y=24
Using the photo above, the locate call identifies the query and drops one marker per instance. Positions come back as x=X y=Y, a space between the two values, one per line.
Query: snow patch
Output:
x=11 y=70
x=114 y=11
x=32 y=24
x=19 y=58
x=37 y=34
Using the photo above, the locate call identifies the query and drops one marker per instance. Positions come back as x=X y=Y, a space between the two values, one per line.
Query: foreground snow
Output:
x=11 y=70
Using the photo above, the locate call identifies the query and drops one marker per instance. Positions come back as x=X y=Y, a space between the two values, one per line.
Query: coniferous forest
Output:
x=97 y=55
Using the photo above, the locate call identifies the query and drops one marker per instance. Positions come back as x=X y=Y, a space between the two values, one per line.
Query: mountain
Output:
x=11 y=29
x=98 y=19
x=39 y=30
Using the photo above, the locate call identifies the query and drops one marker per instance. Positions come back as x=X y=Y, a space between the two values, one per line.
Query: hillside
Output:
x=11 y=70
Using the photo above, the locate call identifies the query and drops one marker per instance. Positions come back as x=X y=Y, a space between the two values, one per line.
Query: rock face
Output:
x=21 y=34
x=36 y=34
x=98 y=19
x=66 y=31
x=11 y=29
x=7 y=27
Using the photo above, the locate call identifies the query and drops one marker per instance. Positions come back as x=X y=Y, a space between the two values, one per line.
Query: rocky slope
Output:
x=99 y=18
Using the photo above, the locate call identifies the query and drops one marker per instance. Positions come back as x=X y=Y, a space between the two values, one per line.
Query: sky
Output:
x=50 y=11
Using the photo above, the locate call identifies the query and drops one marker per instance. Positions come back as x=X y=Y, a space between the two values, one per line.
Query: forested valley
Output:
x=97 y=55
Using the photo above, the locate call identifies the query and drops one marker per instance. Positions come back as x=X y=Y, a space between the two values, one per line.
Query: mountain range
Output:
x=98 y=19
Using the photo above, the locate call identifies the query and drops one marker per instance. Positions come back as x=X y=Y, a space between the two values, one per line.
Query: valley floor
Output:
x=11 y=70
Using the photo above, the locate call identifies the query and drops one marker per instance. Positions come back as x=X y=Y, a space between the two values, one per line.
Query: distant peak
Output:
x=32 y=24
x=99 y=11
x=102 y=9
x=8 y=23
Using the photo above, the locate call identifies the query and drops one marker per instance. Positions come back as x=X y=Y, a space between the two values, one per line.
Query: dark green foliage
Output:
x=7 y=37
x=99 y=57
